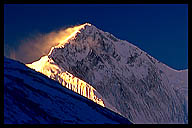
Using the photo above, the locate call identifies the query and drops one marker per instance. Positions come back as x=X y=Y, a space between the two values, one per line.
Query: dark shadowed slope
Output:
x=31 y=97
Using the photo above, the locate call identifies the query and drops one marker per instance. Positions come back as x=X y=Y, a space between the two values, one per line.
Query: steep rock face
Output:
x=137 y=85
x=32 y=98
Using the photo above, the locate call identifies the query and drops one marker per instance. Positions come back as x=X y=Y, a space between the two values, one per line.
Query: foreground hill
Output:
x=32 y=98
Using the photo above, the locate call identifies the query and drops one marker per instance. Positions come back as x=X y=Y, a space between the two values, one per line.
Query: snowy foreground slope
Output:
x=31 y=97
x=137 y=85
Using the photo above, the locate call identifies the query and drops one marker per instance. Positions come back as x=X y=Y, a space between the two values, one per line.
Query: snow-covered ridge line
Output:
x=48 y=68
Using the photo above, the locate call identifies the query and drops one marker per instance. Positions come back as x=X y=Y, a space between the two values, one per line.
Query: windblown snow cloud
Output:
x=33 y=48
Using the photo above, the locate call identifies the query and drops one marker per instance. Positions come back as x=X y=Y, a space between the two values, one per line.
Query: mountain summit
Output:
x=124 y=78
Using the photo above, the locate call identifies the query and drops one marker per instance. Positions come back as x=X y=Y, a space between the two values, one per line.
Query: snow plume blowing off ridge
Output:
x=39 y=45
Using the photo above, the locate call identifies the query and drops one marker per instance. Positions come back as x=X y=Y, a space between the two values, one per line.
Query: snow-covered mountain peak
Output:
x=134 y=83
x=47 y=66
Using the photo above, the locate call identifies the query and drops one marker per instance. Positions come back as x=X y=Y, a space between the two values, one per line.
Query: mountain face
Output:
x=128 y=80
x=33 y=98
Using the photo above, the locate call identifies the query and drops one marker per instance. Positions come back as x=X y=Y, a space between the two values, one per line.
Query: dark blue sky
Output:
x=161 y=30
